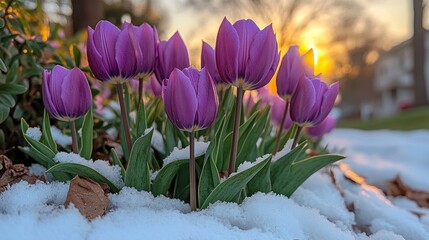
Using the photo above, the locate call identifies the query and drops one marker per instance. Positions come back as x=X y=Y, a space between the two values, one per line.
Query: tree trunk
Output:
x=86 y=13
x=419 y=55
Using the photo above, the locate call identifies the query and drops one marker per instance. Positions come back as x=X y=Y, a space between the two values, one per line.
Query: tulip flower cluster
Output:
x=245 y=58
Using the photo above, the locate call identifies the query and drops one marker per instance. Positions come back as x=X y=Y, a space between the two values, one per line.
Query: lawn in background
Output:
x=410 y=119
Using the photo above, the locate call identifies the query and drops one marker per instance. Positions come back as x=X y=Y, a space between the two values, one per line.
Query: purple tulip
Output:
x=291 y=70
x=312 y=102
x=277 y=109
x=147 y=38
x=327 y=125
x=112 y=53
x=66 y=93
x=246 y=56
x=171 y=54
x=208 y=61
x=190 y=99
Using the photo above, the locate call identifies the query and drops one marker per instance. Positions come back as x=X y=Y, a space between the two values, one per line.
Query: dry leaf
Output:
x=14 y=173
x=397 y=188
x=88 y=197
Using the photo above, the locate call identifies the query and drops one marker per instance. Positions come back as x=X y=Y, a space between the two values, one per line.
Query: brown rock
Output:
x=14 y=173
x=88 y=197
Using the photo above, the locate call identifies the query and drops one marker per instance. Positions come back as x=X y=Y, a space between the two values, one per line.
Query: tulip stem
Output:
x=74 y=137
x=192 y=180
x=296 y=137
x=140 y=96
x=232 y=159
x=279 y=133
x=124 y=116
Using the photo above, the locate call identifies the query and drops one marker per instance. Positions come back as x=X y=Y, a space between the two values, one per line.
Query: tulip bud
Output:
x=209 y=62
x=147 y=39
x=113 y=53
x=291 y=70
x=171 y=54
x=312 y=102
x=66 y=93
x=246 y=56
x=190 y=99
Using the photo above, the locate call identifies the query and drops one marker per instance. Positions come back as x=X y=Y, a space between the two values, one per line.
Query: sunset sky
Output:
x=394 y=15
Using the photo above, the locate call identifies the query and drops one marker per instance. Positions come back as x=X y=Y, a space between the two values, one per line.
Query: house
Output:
x=393 y=78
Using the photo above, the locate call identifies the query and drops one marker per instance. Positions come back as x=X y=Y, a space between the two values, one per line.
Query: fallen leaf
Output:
x=396 y=187
x=88 y=196
x=14 y=173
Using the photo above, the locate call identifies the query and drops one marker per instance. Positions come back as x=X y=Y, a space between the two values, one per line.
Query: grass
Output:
x=411 y=119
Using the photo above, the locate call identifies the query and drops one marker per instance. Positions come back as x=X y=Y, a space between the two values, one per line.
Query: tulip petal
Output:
x=208 y=61
x=327 y=102
x=148 y=39
x=171 y=54
x=246 y=30
x=262 y=56
x=75 y=94
x=95 y=60
x=290 y=72
x=184 y=98
x=227 y=50
x=105 y=37
x=47 y=96
x=57 y=77
x=303 y=100
x=128 y=53
x=207 y=100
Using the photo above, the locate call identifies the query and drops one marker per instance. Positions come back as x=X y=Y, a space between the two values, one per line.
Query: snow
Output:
x=178 y=154
x=247 y=164
x=319 y=209
x=157 y=141
x=60 y=138
x=34 y=133
x=37 y=169
x=382 y=155
x=285 y=150
x=111 y=172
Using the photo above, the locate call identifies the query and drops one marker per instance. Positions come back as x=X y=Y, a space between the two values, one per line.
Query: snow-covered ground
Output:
x=319 y=209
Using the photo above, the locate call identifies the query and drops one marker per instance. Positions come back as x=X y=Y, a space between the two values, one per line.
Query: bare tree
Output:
x=419 y=55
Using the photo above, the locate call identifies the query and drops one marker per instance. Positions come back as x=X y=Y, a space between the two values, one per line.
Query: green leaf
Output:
x=36 y=155
x=137 y=174
x=3 y=67
x=303 y=169
x=248 y=143
x=163 y=180
x=76 y=55
x=87 y=135
x=281 y=168
x=209 y=178
x=229 y=189
x=11 y=88
x=12 y=74
x=83 y=171
x=169 y=138
x=123 y=141
x=141 y=120
x=45 y=152
x=46 y=132
x=244 y=131
x=7 y=100
x=116 y=161
x=262 y=180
